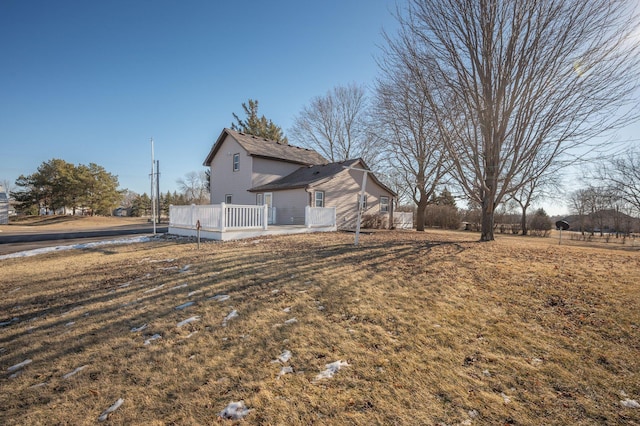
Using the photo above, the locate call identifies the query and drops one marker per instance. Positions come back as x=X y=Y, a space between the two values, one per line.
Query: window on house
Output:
x=384 y=204
x=319 y=196
x=364 y=205
x=236 y=162
x=227 y=199
x=259 y=199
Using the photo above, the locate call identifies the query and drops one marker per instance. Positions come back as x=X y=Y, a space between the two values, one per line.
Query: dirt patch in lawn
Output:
x=408 y=328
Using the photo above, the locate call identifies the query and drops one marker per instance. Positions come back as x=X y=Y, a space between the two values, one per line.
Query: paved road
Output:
x=12 y=242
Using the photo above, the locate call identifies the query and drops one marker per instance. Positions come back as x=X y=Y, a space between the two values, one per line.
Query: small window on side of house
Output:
x=227 y=199
x=319 y=199
x=236 y=162
x=384 y=204
x=259 y=199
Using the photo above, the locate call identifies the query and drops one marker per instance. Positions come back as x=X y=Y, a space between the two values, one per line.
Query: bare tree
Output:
x=413 y=140
x=621 y=174
x=338 y=125
x=580 y=205
x=517 y=86
x=532 y=189
x=194 y=186
x=6 y=185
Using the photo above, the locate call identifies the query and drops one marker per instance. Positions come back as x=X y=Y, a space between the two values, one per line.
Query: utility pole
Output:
x=158 y=190
x=153 y=203
x=361 y=204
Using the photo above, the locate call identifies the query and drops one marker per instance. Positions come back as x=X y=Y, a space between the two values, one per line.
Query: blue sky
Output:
x=93 y=81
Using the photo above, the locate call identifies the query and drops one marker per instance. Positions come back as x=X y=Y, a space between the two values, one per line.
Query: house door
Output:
x=268 y=200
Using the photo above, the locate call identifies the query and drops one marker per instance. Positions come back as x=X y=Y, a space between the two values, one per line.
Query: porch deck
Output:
x=239 y=234
x=225 y=222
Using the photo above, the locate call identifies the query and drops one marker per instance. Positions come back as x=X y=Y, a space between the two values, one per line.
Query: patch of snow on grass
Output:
x=232 y=314
x=18 y=366
x=152 y=338
x=44 y=250
x=284 y=356
x=136 y=329
x=187 y=321
x=74 y=372
x=154 y=289
x=185 y=305
x=11 y=321
x=285 y=370
x=193 y=293
x=234 y=411
x=220 y=297
x=331 y=369
x=179 y=286
x=291 y=321
x=630 y=403
x=110 y=410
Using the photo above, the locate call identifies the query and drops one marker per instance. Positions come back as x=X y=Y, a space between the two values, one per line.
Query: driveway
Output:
x=20 y=238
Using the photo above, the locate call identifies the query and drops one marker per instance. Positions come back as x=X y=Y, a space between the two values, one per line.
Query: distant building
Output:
x=4 y=208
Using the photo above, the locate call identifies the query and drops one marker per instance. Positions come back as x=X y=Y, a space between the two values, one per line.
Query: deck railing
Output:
x=319 y=216
x=222 y=217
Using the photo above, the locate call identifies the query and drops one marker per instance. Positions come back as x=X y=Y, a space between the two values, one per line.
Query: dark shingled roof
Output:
x=265 y=148
x=306 y=176
x=311 y=175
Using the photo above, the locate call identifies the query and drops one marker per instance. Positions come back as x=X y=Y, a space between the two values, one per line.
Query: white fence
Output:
x=223 y=217
x=319 y=216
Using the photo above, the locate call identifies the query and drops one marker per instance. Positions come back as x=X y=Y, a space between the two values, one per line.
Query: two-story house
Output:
x=251 y=170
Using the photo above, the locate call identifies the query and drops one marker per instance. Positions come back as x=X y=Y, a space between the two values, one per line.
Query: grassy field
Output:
x=430 y=328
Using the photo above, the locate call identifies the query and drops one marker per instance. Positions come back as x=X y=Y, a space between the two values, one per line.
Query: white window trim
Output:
x=315 y=198
x=386 y=210
x=236 y=164
x=228 y=198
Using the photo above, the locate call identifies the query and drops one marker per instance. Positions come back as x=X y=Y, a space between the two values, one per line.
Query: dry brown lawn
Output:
x=436 y=328
x=30 y=224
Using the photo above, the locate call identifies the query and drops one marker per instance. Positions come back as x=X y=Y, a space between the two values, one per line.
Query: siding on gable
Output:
x=343 y=192
x=266 y=170
x=225 y=181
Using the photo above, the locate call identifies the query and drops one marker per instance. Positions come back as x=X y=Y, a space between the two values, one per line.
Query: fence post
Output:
x=307 y=216
x=335 y=216
x=223 y=216
x=265 y=216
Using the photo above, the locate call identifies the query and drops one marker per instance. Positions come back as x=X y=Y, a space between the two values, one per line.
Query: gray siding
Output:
x=343 y=192
x=266 y=171
x=225 y=181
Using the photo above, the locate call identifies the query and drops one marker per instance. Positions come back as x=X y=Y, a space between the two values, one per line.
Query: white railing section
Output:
x=319 y=216
x=222 y=217
x=403 y=220
x=218 y=217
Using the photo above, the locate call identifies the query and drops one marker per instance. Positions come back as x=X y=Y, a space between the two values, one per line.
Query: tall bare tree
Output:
x=516 y=86
x=413 y=140
x=195 y=188
x=338 y=125
x=532 y=189
x=621 y=174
